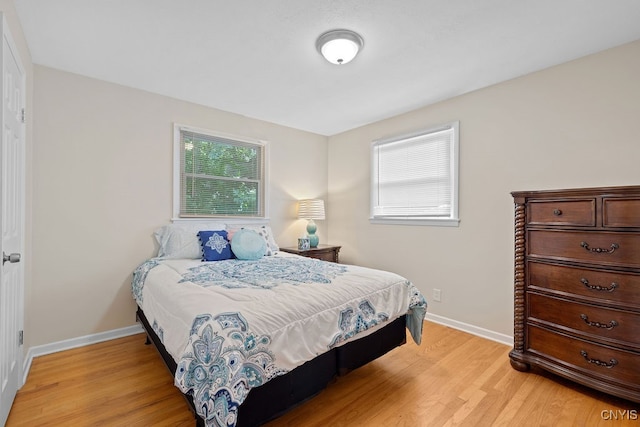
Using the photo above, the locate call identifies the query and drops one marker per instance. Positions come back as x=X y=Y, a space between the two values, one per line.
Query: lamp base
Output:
x=311 y=230
x=313 y=240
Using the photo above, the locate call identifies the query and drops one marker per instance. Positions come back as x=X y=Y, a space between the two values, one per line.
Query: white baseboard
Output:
x=41 y=350
x=475 y=330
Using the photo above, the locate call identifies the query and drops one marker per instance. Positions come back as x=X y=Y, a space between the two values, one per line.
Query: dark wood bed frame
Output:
x=283 y=393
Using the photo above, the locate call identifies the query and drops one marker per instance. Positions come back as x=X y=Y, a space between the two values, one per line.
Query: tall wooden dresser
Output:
x=577 y=286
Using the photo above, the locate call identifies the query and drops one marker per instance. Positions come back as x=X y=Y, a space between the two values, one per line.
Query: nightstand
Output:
x=323 y=252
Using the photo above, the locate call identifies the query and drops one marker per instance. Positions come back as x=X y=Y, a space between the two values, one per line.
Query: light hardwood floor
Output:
x=453 y=378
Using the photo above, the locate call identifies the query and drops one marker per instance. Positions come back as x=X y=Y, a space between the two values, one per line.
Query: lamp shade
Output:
x=311 y=209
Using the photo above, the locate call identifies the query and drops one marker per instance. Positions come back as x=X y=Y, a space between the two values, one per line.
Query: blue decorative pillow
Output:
x=214 y=245
x=263 y=230
x=248 y=245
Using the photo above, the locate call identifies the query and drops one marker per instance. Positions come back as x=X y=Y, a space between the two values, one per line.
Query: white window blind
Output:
x=415 y=177
x=219 y=175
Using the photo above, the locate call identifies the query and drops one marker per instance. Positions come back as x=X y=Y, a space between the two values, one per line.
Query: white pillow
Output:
x=181 y=240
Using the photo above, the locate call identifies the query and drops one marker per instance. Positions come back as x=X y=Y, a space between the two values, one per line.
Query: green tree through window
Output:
x=220 y=176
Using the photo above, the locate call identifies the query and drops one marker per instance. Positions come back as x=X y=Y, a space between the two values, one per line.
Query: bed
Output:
x=248 y=339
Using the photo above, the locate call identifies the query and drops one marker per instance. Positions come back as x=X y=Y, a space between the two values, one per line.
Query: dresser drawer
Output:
x=563 y=212
x=619 y=212
x=622 y=288
x=607 y=323
x=602 y=248
x=599 y=361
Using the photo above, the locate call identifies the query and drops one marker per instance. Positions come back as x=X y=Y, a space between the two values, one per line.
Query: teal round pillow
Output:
x=248 y=245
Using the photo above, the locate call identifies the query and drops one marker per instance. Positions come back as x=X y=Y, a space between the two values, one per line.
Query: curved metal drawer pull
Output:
x=614 y=246
x=613 y=362
x=557 y=212
x=611 y=288
x=609 y=325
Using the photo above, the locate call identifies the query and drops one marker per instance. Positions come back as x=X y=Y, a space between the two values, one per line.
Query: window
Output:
x=217 y=175
x=415 y=178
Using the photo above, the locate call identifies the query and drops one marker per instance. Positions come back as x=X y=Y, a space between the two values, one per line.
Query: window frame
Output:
x=454 y=149
x=263 y=197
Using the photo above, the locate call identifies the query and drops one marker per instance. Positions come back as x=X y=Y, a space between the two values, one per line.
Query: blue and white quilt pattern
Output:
x=354 y=320
x=265 y=273
x=233 y=325
x=139 y=276
x=220 y=366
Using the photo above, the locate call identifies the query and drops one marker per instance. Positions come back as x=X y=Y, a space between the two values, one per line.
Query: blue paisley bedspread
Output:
x=234 y=325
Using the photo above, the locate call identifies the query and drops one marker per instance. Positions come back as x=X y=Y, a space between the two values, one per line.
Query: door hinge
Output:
x=23 y=116
x=20 y=337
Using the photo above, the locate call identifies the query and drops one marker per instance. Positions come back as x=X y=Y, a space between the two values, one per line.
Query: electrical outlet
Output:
x=436 y=295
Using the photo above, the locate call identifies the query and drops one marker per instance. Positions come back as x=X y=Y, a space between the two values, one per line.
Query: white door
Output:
x=12 y=222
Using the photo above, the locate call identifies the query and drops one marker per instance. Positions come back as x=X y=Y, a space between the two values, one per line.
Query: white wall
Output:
x=573 y=125
x=102 y=177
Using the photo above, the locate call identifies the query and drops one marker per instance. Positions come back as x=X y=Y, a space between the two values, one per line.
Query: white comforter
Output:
x=233 y=325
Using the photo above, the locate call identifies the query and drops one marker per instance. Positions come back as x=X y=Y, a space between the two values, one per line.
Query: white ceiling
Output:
x=258 y=58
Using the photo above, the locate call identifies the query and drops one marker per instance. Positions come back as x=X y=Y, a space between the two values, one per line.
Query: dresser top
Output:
x=600 y=191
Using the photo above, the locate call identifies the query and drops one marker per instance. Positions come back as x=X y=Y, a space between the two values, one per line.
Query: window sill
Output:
x=434 y=222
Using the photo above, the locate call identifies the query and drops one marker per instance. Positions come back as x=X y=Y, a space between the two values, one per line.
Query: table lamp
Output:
x=311 y=209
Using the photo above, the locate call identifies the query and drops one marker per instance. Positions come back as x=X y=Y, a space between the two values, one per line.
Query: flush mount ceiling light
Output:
x=339 y=46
